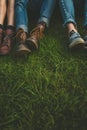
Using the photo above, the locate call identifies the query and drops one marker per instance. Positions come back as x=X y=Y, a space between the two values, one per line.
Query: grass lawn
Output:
x=46 y=90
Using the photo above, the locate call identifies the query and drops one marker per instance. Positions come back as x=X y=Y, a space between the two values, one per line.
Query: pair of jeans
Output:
x=46 y=8
x=67 y=8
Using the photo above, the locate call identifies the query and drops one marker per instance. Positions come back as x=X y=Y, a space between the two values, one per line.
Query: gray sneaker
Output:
x=75 y=40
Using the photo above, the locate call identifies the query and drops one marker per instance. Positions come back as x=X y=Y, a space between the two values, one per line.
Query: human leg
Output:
x=10 y=12
x=68 y=14
x=9 y=31
x=47 y=7
x=21 y=20
x=85 y=23
x=2 y=17
x=46 y=11
x=2 y=11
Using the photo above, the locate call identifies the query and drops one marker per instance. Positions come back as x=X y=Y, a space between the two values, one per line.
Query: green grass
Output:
x=46 y=90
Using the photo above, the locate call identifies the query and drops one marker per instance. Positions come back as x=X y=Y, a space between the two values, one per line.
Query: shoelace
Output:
x=7 y=37
x=37 y=32
x=20 y=34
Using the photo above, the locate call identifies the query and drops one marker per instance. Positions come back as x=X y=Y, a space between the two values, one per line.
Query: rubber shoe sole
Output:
x=77 y=43
x=22 y=50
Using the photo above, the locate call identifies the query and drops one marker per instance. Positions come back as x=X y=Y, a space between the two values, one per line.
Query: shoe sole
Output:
x=78 y=43
x=31 y=45
x=22 y=52
x=4 y=54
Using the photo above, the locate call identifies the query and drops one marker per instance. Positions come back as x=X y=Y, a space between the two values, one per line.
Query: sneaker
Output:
x=22 y=48
x=75 y=40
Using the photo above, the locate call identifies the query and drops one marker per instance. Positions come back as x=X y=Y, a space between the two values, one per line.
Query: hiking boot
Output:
x=7 y=43
x=75 y=40
x=21 y=37
x=35 y=35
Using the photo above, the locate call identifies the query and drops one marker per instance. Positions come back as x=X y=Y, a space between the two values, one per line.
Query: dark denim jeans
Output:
x=68 y=8
x=21 y=14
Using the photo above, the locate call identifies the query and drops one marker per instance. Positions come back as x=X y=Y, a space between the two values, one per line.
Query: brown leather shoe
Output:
x=7 y=42
x=35 y=35
x=21 y=37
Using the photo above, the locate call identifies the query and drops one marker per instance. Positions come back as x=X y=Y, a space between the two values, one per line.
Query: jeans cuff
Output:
x=69 y=21
x=24 y=27
x=44 y=19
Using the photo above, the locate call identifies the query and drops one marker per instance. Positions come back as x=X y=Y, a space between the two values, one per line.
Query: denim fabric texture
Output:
x=68 y=9
x=45 y=7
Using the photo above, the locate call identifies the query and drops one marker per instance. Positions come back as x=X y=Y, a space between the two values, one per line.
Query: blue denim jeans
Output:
x=85 y=13
x=68 y=11
x=46 y=8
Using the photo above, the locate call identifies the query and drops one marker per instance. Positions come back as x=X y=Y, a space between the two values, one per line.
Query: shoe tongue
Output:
x=9 y=31
x=72 y=32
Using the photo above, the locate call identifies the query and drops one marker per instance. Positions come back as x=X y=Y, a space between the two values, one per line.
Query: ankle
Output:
x=70 y=27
